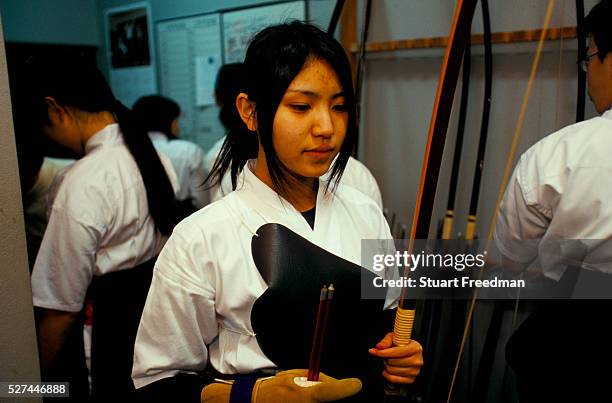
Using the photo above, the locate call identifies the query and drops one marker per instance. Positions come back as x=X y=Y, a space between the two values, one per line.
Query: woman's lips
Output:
x=320 y=151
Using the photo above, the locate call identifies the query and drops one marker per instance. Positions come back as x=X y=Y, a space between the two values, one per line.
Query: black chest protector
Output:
x=284 y=316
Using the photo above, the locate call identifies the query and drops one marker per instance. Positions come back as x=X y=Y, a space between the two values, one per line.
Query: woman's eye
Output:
x=340 y=108
x=300 y=107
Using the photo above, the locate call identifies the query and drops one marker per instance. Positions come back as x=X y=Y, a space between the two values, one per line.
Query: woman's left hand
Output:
x=402 y=363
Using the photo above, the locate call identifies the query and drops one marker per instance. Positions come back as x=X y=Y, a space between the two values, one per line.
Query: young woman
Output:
x=230 y=80
x=159 y=117
x=299 y=103
x=110 y=214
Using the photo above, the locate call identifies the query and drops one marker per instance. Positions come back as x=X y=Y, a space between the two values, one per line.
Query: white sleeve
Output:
x=167 y=164
x=179 y=319
x=522 y=220
x=384 y=245
x=211 y=155
x=197 y=175
x=371 y=188
x=357 y=175
x=391 y=273
x=65 y=262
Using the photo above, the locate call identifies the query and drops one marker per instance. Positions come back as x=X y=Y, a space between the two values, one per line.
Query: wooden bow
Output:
x=458 y=39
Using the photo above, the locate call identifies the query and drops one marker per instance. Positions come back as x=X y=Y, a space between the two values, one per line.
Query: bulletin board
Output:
x=190 y=55
x=240 y=25
x=191 y=50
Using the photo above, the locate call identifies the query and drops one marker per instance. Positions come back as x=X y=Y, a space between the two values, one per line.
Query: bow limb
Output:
x=484 y=123
x=333 y=22
x=365 y=27
x=458 y=38
x=447 y=226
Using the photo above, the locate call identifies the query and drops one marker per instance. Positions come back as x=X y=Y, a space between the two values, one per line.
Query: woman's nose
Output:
x=324 y=125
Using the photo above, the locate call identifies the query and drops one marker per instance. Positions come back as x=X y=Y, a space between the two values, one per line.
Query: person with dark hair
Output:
x=110 y=214
x=159 y=117
x=36 y=170
x=230 y=80
x=298 y=102
x=229 y=83
x=554 y=221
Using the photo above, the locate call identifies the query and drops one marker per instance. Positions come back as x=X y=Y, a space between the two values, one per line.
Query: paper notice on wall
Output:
x=206 y=68
x=189 y=59
x=239 y=26
x=131 y=83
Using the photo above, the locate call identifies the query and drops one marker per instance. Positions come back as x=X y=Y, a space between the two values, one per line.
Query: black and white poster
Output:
x=130 y=54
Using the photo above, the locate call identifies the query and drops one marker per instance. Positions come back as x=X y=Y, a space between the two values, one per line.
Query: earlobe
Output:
x=246 y=109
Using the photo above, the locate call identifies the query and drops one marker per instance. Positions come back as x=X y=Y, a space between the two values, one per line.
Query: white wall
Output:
x=18 y=352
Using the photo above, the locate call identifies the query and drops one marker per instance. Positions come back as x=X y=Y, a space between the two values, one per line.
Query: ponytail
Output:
x=71 y=82
x=160 y=194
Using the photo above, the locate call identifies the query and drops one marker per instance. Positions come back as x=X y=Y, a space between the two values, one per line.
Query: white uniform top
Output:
x=188 y=163
x=356 y=175
x=99 y=222
x=205 y=281
x=211 y=155
x=561 y=189
x=35 y=200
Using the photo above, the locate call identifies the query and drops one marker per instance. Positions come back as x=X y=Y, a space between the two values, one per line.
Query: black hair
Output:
x=274 y=58
x=597 y=24
x=29 y=145
x=230 y=82
x=81 y=86
x=28 y=137
x=156 y=114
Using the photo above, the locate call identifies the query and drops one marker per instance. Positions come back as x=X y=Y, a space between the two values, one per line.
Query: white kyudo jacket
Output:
x=561 y=189
x=205 y=281
x=188 y=162
x=99 y=223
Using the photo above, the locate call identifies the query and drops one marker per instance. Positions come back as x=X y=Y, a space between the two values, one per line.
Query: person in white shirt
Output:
x=36 y=174
x=159 y=116
x=230 y=80
x=555 y=192
x=299 y=103
x=109 y=213
x=556 y=219
x=35 y=201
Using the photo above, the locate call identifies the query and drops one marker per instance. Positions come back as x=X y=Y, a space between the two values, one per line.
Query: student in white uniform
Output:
x=36 y=174
x=299 y=103
x=560 y=196
x=159 y=116
x=110 y=214
x=230 y=80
